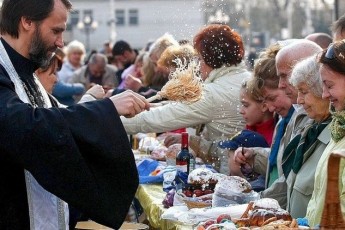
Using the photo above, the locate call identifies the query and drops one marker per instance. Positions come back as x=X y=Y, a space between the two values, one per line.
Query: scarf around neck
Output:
x=337 y=124
x=302 y=146
x=277 y=138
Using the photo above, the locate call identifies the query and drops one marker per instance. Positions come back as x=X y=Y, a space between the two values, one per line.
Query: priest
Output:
x=51 y=157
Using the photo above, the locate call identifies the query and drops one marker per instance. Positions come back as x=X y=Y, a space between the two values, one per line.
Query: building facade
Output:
x=136 y=21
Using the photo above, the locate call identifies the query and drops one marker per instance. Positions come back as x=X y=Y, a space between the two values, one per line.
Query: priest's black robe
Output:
x=81 y=154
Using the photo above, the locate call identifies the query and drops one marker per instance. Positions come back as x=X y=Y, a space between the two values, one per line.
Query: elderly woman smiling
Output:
x=304 y=151
x=332 y=72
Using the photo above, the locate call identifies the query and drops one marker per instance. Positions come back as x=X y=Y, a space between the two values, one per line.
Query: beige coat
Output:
x=278 y=190
x=293 y=128
x=218 y=108
x=301 y=185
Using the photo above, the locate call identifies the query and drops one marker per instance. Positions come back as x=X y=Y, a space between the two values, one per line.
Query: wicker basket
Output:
x=196 y=204
x=332 y=217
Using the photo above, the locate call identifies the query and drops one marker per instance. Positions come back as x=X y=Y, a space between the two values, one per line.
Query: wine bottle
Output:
x=185 y=160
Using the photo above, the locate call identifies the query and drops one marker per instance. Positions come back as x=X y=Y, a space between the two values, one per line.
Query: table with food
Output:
x=203 y=199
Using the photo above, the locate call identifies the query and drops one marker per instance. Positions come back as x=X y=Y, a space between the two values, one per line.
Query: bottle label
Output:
x=191 y=164
x=182 y=168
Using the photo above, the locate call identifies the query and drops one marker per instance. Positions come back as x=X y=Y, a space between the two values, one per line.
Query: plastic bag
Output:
x=233 y=198
x=168 y=178
x=179 y=199
x=233 y=190
x=169 y=199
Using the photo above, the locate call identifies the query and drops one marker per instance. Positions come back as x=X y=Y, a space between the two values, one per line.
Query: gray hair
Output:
x=98 y=58
x=307 y=71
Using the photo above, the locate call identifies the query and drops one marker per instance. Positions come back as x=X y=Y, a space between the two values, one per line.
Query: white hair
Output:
x=75 y=46
x=307 y=71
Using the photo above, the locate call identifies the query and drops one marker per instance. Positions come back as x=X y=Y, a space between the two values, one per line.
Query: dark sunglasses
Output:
x=330 y=54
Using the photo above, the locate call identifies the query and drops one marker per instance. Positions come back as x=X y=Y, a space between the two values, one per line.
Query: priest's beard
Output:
x=39 y=50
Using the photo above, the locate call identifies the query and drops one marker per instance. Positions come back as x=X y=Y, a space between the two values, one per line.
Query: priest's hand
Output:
x=129 y=104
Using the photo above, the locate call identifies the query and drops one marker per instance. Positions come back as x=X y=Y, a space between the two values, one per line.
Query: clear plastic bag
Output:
x=233 y=198
x=168 y=178
x=233 y=190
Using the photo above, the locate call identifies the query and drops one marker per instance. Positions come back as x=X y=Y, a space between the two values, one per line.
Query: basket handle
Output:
x=332 y=217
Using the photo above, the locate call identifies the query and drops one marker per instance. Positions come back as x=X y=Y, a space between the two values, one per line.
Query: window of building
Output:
x=74 y=17
x=120 y=17
x=72 y=20
x=133 y=17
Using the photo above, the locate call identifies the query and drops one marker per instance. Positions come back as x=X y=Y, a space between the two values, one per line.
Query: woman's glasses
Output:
x=330 y=54
x=333 y=60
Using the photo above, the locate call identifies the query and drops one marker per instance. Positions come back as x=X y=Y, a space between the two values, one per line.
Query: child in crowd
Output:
x=255 y=111
x=259 y=130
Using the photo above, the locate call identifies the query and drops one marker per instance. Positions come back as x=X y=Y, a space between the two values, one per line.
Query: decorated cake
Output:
x=201 y=176
x=234 y=183
x=201 y=181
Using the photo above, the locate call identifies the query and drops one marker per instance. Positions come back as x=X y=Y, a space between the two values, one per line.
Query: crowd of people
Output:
x=66 y=115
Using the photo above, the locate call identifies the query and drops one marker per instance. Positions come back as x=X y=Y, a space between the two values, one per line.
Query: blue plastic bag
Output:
x=145 y=168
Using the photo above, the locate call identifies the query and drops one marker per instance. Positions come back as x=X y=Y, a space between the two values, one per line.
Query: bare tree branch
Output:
x=286 y=4
x=276 y=5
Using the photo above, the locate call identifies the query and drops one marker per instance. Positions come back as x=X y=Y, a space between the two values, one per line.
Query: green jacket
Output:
x=317 y=201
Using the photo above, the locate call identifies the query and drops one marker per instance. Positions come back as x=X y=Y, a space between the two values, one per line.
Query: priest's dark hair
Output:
x=36 y=10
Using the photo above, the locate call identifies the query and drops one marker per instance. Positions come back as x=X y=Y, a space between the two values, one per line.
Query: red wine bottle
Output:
x=185 y=160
